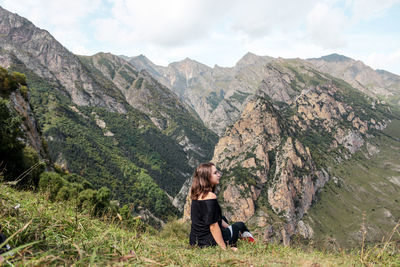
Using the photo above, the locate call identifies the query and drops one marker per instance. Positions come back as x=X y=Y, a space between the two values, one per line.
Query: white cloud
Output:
x=58 y=13
x=326 y=26
x=164 y=23
x=209 y=31
x=383 y=60
x=369 y=9
x=258 y=18
x=178 y=22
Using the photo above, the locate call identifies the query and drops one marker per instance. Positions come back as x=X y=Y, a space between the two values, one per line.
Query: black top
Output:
x=203 y=213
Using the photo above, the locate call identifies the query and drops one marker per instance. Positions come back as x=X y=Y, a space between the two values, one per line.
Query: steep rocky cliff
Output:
x=29 y=124
x=274 y=157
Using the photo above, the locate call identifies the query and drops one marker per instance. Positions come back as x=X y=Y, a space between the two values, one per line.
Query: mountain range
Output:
x=219 y=94
x=307 y=146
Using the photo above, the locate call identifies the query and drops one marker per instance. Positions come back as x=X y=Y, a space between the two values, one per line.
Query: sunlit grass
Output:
x=53 y=233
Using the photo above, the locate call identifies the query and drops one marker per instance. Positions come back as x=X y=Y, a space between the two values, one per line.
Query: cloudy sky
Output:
x=222 y=31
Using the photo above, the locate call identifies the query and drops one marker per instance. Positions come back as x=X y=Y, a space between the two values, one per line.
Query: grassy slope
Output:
x=66 y=237
x=364 y=186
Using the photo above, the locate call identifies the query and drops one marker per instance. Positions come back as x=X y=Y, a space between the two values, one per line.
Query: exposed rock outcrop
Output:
x=29 y=124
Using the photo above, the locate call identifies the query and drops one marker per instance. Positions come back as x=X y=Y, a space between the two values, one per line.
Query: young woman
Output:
x=209 y=227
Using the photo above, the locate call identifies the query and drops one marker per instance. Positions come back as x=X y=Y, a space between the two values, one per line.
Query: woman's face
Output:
x=215 y=175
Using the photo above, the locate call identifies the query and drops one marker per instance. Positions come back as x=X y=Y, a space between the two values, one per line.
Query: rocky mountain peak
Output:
x=333 y=58
x=143 y=59
x=189 y=64
x=251 y=58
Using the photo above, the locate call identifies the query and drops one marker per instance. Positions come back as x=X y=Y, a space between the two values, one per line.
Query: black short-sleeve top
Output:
x=203 y=213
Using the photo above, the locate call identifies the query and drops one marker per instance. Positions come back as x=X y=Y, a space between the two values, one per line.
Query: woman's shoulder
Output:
x=210 y=195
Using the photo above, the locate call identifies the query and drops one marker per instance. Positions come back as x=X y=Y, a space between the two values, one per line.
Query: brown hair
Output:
x=201 y=184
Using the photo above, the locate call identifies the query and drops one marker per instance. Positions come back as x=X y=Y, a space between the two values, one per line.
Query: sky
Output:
x=222 y=31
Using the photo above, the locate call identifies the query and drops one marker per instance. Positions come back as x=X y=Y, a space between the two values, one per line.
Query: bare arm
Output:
x=217 y=234
x=216 y=230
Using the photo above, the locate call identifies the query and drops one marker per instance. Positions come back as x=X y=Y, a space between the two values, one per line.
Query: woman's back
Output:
x=203 y=213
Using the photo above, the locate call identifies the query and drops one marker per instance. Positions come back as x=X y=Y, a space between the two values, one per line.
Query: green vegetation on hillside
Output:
x=160 y=102
x=213 y=99
x=132 y=164
x=136 y=164
x=11 y=81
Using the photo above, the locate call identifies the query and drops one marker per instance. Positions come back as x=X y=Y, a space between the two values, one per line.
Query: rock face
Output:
x=29 y=124
x=273 y=156
x=262 y=160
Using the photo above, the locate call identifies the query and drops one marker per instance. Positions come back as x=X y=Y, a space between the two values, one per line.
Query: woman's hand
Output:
x=234 y=248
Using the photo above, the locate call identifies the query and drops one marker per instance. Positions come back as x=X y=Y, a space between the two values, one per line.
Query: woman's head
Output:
x=205 y=178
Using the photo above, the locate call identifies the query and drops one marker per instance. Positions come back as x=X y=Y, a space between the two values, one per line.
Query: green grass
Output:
x=53 y=233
